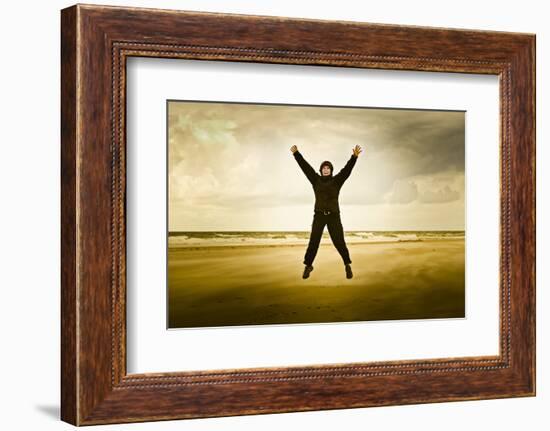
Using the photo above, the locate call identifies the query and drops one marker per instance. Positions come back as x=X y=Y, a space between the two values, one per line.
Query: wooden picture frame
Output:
x=95 y=43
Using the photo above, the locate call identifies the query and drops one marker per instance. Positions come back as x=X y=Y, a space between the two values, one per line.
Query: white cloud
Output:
x=403 y=192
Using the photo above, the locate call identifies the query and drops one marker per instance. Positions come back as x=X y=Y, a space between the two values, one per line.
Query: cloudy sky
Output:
x=231 y=168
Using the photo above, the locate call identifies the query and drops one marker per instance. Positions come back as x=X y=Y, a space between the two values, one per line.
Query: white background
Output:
x=30 y=218
x=151 y=348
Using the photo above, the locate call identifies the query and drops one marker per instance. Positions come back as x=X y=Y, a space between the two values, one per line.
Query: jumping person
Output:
x=326 y=211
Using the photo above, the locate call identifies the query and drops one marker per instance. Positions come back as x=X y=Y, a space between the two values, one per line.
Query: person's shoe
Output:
x=307 y=270
x=349 y=273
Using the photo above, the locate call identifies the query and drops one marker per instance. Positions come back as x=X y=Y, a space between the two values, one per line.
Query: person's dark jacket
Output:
x=326 y=188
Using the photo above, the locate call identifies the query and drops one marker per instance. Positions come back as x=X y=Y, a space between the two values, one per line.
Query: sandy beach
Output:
x=252 y=285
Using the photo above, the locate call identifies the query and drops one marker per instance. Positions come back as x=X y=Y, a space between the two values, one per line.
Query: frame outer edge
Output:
x=524 y=171
x=69 y=411
x=529 y=62
x=532 y=61
x=533 y=53
x=523 y=218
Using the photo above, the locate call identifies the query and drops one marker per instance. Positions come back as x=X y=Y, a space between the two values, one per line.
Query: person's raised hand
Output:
x=357 y=150
x=294 y=148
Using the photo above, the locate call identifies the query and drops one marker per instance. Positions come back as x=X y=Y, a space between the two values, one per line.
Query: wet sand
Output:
x=252 y=285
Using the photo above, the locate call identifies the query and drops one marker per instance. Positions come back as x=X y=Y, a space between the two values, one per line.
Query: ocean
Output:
x=267 y=238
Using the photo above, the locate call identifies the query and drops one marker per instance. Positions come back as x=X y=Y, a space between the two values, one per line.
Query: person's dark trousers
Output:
x=336 y=232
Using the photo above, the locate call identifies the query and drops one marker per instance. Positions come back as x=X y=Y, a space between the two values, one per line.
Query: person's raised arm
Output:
x=304 y=165
x=345 y=172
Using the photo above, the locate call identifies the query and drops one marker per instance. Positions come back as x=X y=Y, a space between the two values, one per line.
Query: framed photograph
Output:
x=265 y=214
x=236 y=213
